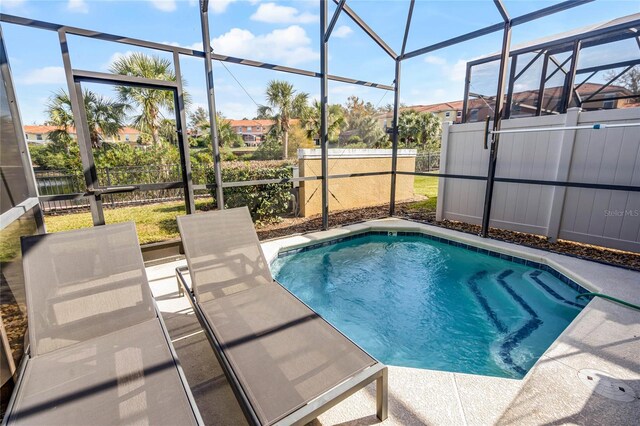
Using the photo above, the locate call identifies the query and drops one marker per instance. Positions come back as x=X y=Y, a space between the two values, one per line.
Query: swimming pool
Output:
x=418 y=301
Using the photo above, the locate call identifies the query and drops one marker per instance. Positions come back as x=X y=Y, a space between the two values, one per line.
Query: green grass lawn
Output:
x=154 y=222
x=157 y=222
x=427 y=186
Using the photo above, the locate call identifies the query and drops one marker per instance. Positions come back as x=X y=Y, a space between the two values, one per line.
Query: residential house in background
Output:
x=445 y=111
x=39 y=134
x=253 y=132
x=589 y=96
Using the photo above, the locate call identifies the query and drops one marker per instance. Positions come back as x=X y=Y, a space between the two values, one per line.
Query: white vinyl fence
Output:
x=595 y=216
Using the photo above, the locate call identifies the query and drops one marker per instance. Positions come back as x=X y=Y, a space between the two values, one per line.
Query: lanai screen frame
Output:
x=94 y=192
x=573 y=44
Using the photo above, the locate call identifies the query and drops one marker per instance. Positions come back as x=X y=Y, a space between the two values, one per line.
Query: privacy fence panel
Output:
x=463 y=154
x=598 y=216
x=594 y=216
x=518 y=207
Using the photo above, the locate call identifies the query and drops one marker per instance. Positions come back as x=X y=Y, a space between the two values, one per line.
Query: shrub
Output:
x=227 y=154
x=266 y=202
x=354 y=140
x=269 y=149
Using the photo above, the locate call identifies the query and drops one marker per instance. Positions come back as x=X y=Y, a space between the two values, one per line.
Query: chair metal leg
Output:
x=179 y=271
x=382 y=395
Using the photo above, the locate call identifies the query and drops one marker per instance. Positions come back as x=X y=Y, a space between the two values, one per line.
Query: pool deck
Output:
x=604 y=336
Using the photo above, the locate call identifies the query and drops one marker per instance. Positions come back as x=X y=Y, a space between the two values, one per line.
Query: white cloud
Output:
x=79 y=6
x=219 y=6
x=342 y=31
x=12 y=5
x=458 y=71
x=115 y=57
x=453 y=72
x=276 y=14
x=288 y=46
x=44 y=75
x=164 y=5
x=435 y=60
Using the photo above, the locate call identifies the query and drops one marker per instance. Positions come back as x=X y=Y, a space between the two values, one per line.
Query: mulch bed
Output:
x=290 y=226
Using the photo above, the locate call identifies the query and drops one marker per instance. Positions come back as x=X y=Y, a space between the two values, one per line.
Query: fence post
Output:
x=428 y=161
x=562 y=174
x=444 y=147
x=109 y=183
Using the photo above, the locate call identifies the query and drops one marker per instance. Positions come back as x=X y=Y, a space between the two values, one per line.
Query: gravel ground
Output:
x=406 y=211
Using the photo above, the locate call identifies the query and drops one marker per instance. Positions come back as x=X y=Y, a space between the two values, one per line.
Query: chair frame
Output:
x=378 y=372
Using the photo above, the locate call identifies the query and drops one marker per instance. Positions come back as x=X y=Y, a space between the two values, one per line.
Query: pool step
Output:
x=551 y=289
x=514 y=334
x=512 y=340
x=474 y=285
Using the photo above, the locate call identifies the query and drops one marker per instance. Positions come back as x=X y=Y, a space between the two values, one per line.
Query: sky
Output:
x=280 y=32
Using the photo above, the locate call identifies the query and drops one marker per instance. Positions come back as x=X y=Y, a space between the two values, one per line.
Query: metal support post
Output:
x=211 y=101
x=465 y=102
x=570 y=78
x=543 y=80
x=394 y=145
x=82 y=132
x=511 y=84
x=183 y=138
x=324 y=142
x=493 y=156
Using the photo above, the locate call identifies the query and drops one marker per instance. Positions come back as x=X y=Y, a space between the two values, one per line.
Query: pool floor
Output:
x=418 y=303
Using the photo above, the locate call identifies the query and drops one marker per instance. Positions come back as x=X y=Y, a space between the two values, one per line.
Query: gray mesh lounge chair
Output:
x=99 y=350
x=284 y=362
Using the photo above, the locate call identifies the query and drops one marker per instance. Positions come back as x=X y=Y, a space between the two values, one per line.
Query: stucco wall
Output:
x=356 y=191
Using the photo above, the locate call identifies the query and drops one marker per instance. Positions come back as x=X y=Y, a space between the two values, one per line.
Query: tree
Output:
x=361 y=122
x=105 y=117
x=283 y=104
x=299 y=138
x=168 y=131
x=226 y=135
x=418 y=130
x=336 y=121
x=198 y=119
x=629 y=80
x=150 y=102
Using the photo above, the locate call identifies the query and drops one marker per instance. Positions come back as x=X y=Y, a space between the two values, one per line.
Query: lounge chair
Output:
x=99 y=350
x=284 y=362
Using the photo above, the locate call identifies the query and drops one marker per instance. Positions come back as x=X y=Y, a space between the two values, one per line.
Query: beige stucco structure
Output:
x=354 y=192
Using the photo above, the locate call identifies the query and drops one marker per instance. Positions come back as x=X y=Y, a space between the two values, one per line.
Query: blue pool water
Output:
x=413 y=302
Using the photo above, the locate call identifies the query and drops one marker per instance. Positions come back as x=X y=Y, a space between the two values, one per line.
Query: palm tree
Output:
x=418 y=130
x=430 y=135
x=226 y=135
x=105 y=117
x=150 y=102
x=336 y=121
x=167 y=131
x=283 y=105
x=409 y=127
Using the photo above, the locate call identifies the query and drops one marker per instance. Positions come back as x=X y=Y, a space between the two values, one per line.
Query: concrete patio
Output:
x=604 y=337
